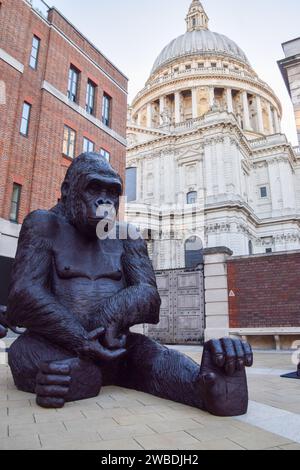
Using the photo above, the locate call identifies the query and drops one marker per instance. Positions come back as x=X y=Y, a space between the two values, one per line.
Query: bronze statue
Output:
x=78 y=295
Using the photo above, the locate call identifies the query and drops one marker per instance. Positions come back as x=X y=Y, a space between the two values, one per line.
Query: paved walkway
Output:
x=123 y=419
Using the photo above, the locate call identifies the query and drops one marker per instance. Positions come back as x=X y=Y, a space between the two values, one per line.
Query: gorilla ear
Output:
x=65 y=190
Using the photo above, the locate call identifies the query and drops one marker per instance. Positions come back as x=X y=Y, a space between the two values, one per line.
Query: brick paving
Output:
x=121 y=419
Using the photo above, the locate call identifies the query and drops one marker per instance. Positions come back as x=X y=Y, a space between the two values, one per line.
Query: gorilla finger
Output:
x=55 y=368
x=50 y=402
x=209 y=380
x=44 y=379
x=55 y=391
x=231 y=363
x=96 y=334
x=240 y=354
x=248 y=354
x=217 y=352
x=117 y=343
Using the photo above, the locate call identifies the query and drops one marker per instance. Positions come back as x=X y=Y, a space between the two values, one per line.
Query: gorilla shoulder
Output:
x=42 y=223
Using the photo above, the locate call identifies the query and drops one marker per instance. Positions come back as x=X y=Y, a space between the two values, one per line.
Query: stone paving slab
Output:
x=121 y=419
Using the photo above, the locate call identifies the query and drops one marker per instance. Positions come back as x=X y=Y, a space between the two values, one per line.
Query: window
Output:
x=73 y=84
x=15 y=203
x=69 y=142
x=193 y=252
x=263 y=192
x=106 y=110
x=24 y=129
x=90 y=97
x=192 y=197
x=250 y=247
x=105 y=153
x=176 y=70
x=214 y=65
x=88 y=145
x=201 y=65
x=35 y=47
x=188 y=67
x=269 y=250
x=131 y=184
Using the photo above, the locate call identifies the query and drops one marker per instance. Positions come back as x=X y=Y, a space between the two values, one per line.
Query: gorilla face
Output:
x=91 y=193
x=101 y=199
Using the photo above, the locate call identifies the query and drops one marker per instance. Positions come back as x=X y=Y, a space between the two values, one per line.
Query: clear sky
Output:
x=133 y=32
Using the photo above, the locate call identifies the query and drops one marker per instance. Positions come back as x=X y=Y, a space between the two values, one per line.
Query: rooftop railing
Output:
x=202 y=72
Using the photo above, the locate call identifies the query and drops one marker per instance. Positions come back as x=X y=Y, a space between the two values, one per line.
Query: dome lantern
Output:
x=197 y=18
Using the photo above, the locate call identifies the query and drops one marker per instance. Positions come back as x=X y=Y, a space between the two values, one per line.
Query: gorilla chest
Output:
x=76 y=257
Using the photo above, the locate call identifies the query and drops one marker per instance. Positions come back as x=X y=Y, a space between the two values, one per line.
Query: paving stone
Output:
x=21 y=443
x=123 y=432
x=121 y=444
x=170 y=441
x=217 y=444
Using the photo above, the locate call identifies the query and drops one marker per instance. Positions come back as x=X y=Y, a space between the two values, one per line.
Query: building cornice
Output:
x=155 y=88
x=84 y=54
x=10 y=60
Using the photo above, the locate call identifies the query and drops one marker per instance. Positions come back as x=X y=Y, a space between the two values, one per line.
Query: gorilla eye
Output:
x=93 y=187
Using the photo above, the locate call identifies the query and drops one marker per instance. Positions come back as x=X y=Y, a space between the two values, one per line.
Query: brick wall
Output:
x=36 y=162
x=264 y=291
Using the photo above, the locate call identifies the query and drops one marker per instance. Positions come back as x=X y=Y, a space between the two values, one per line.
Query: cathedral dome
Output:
x=199 y=42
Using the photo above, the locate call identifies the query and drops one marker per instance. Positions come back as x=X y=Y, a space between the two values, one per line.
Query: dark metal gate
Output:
x=182 y=309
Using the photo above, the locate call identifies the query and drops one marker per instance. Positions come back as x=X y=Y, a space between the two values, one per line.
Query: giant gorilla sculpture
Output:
x=78 y=295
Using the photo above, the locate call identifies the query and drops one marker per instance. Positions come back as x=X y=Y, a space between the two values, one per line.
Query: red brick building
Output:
x=59 y=95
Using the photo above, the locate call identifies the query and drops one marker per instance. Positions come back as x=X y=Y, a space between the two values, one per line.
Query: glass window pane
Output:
x=15 y=202
x=69 y=142
x=34 y=52
x=88 y=145
x=24 y=127
x=105 y=154
x=131 y=177
x=193 y=252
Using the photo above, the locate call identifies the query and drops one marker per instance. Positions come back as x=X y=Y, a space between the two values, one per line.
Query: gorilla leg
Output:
x=41 y=367
x=152 y=368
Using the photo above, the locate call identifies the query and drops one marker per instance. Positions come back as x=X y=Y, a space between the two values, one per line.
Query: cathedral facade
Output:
x=207 y=164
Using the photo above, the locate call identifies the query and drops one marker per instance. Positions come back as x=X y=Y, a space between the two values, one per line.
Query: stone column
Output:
x=229 y=100
x=277 y=122
x=177 y=97
x=149 y=115
x=211 y=96
x=161 y=108
x=260 y=121
x=194 y=103
x=139 y=118
x=271 y=125
x=208 y=169
x=216 y=292
x=247 y=125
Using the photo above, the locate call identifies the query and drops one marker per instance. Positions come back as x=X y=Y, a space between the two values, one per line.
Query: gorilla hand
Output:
x=113 y=339
x=94 y=350
x=223 y=376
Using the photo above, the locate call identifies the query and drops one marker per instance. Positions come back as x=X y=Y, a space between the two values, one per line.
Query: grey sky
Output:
x=133 y=32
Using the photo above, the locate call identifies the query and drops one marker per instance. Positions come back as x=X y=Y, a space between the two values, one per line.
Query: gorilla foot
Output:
x=53 y=384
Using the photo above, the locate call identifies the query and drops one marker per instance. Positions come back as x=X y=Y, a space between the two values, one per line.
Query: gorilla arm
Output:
x=31 y=304
x=139 y=302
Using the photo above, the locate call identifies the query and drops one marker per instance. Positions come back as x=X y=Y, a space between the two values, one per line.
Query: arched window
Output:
x=250 y=245
x=131 y=184
x=193 y=252
x=191 y=197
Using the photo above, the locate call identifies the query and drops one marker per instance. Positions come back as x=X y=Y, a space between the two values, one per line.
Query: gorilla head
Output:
x=90 y=192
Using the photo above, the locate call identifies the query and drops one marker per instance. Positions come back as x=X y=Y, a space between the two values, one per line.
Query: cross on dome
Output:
x=197 y=18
